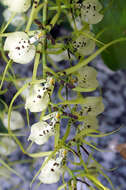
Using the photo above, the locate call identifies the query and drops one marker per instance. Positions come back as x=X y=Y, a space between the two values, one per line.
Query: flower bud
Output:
x=19 y=47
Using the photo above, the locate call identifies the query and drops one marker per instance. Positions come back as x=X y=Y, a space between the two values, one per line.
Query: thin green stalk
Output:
x=44 y=57
x=37 y=58
x=57 y=7
x=5 y=71
x=11 y=169
x=51 y=71
x=9 y=21
x=32 y=15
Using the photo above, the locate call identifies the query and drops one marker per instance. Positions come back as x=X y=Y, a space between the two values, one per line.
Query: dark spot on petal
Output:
x=38 y=96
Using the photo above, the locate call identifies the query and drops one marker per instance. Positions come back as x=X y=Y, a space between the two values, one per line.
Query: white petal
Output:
x=48 y=178
x=24 y=58
x=16 y=121
x=13 y=39
x=17 y=6
x=51 y=171
x=35 y=104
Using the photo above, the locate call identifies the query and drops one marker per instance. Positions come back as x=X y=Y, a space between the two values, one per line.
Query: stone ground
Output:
x=113 y=86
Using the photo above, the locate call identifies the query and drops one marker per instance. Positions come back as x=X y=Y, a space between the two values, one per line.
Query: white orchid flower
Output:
x=19 y=47
x=82 y=44
x=38 y=98
x=16 y=121
x=41 y=131
x=53 y=169
x=90 y=11
x=17 y=6
x=93 y=106
x=87 y=77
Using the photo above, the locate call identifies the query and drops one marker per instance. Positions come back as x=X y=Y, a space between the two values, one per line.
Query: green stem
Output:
x=37 y=58
x=32 y=15
x=5 y=71
x=51 y=71
x=57 y=7
x=44 y=57
x=9 y=21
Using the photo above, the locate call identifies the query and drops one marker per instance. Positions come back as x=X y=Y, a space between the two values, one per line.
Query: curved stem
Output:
x=5 y=71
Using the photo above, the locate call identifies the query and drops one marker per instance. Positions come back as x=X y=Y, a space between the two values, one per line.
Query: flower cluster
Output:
x=83 y=43
x=77 y=109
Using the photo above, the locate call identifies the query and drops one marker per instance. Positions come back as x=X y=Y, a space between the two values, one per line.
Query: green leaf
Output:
x=113 y=26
